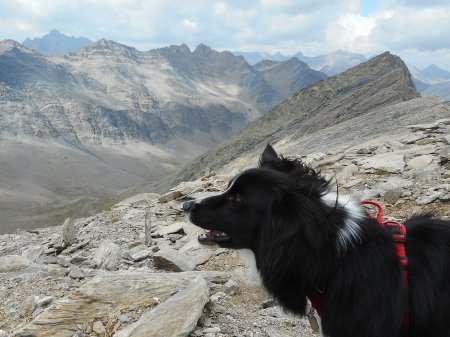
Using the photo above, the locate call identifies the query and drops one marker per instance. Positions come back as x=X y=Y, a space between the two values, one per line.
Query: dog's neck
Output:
x=349 y=232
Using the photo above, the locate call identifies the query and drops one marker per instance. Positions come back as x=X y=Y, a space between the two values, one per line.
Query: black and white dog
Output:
x=306 y=239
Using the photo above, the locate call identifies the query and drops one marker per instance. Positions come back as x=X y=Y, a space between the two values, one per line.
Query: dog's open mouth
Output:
x=213 y=237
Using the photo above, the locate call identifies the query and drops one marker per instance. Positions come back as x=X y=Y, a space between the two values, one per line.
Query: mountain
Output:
x=370 y=86
x=441 y=89
x=289 y=76
x=332 y=63
x=56 y=43
x=255 y=57
x=81 y=126
x=430 y=75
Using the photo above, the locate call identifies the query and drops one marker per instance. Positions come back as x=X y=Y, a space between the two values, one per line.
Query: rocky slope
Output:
x=371 y=86
x=137 y=269
x=79 y=127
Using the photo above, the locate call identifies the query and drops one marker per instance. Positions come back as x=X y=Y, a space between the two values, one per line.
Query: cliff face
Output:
x=111 y=93
x=380 y=82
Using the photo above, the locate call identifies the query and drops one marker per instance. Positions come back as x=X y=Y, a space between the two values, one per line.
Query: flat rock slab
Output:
x=389 y=162
x=175 y=317
x=421 y=161
x=13 y=263
x=176 y=227
x=176 y=301
x=172 y=260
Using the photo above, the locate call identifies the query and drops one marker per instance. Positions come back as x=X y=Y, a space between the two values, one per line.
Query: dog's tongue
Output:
x=212 y=237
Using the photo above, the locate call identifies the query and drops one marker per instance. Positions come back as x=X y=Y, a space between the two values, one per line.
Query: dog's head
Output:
x=239 y=216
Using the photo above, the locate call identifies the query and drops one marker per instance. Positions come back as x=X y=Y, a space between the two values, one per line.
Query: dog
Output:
x=309 y=240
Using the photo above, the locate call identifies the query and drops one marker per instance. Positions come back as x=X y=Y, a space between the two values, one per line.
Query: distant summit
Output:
x=330 y=64
x=56 y=43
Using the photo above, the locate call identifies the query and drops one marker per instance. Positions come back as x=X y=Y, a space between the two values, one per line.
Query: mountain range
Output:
x=430 y=81
x=81 y=126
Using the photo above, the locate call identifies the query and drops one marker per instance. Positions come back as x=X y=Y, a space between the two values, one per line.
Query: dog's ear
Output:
x=269 y=156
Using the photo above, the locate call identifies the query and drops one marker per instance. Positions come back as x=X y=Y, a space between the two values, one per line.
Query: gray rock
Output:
x=98 y=328
x=143 y=254
x=428 y=198
x=176 y=317
x=391 y=196
x=171 y=229
x=108 y=255
x=76 y=273
x=232 y=288
x=444 y=155
x=172 y=195
x=346 y=173
x=44 y=302
x=171 y=260
x=13 y=263
x=69 y=232
x=420 y=161
x=389 y=162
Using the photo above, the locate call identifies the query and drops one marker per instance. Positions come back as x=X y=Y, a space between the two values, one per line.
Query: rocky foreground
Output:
x=137 y=270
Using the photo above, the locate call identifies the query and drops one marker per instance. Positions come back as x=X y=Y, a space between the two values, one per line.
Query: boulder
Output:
x=108 y=255
x=176 y=317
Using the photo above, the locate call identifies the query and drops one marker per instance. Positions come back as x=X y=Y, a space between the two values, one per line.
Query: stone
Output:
x=232 y=288
x=171 y=260
x=76 y=273
x=69 y=232
x=444 y=155
x=420 y=161
x=13 y=263
x=98 y=328
x=44 y=302
x=171 y=229
x=347 y=172
x=388 y=162
x=428 y=198
x=83 y=243
x=426 y=141
x=108 y=255
x=169 y=196
x=143 y=254
x=123 y=318
x=391 y=196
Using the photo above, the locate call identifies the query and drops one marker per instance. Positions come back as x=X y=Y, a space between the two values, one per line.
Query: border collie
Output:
x=308 y=240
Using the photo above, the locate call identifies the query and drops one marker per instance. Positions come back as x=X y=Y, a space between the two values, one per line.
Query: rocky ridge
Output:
x=369 y=87
x=132 y=270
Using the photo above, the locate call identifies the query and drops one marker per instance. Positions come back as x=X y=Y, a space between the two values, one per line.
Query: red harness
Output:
x=398 y=231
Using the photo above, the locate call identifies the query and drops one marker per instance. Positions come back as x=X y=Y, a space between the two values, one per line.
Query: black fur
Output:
x=278 y=212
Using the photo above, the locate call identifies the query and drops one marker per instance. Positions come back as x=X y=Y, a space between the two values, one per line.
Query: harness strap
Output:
x=398 y=231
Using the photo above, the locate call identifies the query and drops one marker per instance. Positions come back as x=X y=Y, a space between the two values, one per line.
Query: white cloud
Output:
x=415 y=27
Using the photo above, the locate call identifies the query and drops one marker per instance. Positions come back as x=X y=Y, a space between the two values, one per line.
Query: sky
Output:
x=416 y=30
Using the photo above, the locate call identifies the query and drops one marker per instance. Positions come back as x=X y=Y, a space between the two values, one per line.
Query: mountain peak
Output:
x=56 y=43
x=8 y=44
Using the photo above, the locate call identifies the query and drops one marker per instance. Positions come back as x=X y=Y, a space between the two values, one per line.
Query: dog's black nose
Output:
x=188 y=205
